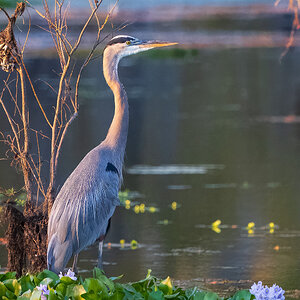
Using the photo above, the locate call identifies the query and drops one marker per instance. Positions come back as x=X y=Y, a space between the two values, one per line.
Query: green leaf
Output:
x=61 y=289
x=119 y=293
x=242 y=295
x=165 y=289
x=95 y=285
x=47 y=281
x=198 y=295
x=3 y=290
x=10 y=295
x=52 y=295
x=116 y=278
x=13 y=285
x=25 y=296
x=172 y=296
x=67 y=280
x=8 y=275
x=91 y=296
x=36 y=295
x=99 y=274
x=45 y=274
x=128 y=288
x=211 y=296
x=156 y=295
x=78 y=291
x=27 y=283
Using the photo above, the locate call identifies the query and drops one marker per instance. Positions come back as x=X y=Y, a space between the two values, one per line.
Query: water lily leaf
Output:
x=8 y=275
x=99 y=274
x=78 y=291
x=129 y=288
x=26 y=295
x=47 y=281
x=95 y=285
x=36 y=295
x=156 y=295
x=136 y=296
x=242 y=295
x=211 y=296
x=92 y=296
x=26 y=283
x=13 y=285
x=10 y=295
x=2 y=289
x=198 y=296
x=61 y=289
x=45 y=274
x=67 y=280
x=52 y=295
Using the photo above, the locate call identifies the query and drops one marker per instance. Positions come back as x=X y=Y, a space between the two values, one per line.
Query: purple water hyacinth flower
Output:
x=44 y=289
x=69 y=274
x=262 y=292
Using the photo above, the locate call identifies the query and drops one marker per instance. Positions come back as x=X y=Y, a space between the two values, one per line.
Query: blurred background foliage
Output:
x=8 y=3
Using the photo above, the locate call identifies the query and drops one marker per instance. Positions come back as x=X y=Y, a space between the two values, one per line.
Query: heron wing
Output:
x=84 y=204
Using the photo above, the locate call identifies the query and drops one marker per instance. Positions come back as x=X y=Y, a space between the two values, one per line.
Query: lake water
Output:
x=215 y=130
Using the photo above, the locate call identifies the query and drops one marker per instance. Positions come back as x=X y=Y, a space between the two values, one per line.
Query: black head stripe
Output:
x=121 y=39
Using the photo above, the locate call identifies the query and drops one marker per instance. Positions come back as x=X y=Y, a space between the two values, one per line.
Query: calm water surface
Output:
x=216 y=132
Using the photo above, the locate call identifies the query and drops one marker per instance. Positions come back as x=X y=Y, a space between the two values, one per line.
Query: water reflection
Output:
x=201 y=114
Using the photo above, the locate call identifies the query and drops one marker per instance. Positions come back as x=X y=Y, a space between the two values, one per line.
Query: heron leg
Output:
x=99 y=265
x=74 y=267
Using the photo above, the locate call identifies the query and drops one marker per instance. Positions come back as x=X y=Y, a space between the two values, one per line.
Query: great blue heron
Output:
x=82 y=210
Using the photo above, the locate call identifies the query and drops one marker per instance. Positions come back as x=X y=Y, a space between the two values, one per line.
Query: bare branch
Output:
x=34 y=93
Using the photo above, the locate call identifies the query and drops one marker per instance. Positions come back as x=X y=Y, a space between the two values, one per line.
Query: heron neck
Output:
x=117 y=134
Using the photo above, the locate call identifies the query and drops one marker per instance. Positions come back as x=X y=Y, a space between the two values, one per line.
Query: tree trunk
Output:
x=26 y=241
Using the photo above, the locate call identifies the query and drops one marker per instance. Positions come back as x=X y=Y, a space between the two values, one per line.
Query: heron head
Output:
x=124 y=45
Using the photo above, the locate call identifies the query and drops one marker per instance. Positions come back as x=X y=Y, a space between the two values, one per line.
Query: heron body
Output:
x=82 y=209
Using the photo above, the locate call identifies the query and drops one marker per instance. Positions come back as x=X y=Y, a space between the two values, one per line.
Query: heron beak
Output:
x=155 y=44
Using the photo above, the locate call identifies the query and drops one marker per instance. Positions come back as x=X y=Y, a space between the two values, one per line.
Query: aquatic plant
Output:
x=48 y=285
x=265 y=293
x=69 y=274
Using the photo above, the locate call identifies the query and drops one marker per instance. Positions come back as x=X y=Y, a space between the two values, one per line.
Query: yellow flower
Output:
x=216 y=223
x=142 y=208
x=271 y=230
x=250 y=232
x=152 y=209
x=134 y=244
x=251 y=225
x=137 y=209
x=122 y=242
x=127 y=204
x=174 y=205
x=168 y=282
x=216 y=229
x=271 y=225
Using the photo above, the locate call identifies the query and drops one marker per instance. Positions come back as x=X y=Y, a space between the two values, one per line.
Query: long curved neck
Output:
x=117 y=134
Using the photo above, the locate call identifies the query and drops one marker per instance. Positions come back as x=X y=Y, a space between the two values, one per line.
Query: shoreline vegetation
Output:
x=48 y=285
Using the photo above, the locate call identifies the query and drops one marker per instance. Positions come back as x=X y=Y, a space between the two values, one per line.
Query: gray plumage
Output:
x=86 y=202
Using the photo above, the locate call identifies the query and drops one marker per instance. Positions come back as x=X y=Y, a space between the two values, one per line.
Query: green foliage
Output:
x=8 y=3
x=100 y=287
x=13 y=196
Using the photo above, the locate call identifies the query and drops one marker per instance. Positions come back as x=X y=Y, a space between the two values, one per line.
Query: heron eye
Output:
x=128 y=42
